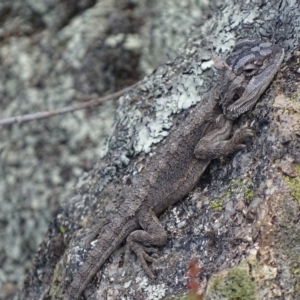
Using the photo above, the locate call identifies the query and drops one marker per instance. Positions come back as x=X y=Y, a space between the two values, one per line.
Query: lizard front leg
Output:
x=215 y=144
x=153 y=234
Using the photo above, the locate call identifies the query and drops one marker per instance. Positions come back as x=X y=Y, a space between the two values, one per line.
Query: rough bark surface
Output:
x=242 y=221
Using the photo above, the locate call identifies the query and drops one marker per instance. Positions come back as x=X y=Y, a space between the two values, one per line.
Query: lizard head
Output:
x=247 y=72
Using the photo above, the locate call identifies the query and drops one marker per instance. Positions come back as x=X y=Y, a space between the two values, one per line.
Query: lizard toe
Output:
x=140 y=252
x=150 y=249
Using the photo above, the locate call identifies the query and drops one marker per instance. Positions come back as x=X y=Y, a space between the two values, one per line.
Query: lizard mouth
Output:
x=252 y=91
x=234 y=107
x=239 y=105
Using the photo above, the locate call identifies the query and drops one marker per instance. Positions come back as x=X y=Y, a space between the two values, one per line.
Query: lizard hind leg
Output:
x=140 y=241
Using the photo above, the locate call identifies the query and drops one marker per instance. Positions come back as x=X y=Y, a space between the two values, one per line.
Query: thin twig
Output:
x=63 y=110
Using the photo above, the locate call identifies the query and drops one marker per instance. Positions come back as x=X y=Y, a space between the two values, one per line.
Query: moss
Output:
x=294 y=98
x=240 y=185
x=218 y=281
x=246 y=186
x=62 y=229
x=216 y=204
x=294 y=184
x=249 y=194
x=236 y=284
x=240 y=285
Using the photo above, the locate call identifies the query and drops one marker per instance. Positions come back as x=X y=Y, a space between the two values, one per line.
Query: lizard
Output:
x=179 y=160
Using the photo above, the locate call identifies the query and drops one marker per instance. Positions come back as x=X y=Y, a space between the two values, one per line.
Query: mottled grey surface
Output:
x=55 y=54
x=248 y=201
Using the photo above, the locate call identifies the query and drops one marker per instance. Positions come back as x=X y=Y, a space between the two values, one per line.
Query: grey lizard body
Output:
x=178 y=162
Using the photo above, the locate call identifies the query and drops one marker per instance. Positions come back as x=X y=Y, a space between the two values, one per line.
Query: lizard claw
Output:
x=242 y=134
x=150 y=249
x=140 y=252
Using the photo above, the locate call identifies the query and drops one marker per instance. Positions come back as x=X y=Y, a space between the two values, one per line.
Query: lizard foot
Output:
x=240 y=136
x=141 y=253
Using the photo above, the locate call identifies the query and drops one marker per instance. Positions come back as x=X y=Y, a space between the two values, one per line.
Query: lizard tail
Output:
x=111 y=238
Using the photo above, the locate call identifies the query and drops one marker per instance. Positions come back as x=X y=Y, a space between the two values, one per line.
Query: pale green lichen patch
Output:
x=294 y=184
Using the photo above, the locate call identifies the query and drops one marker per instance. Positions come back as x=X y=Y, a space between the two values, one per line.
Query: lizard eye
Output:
x=250 y=69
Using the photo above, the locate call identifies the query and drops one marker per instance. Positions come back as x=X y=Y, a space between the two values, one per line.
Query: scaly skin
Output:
x=181 y=158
